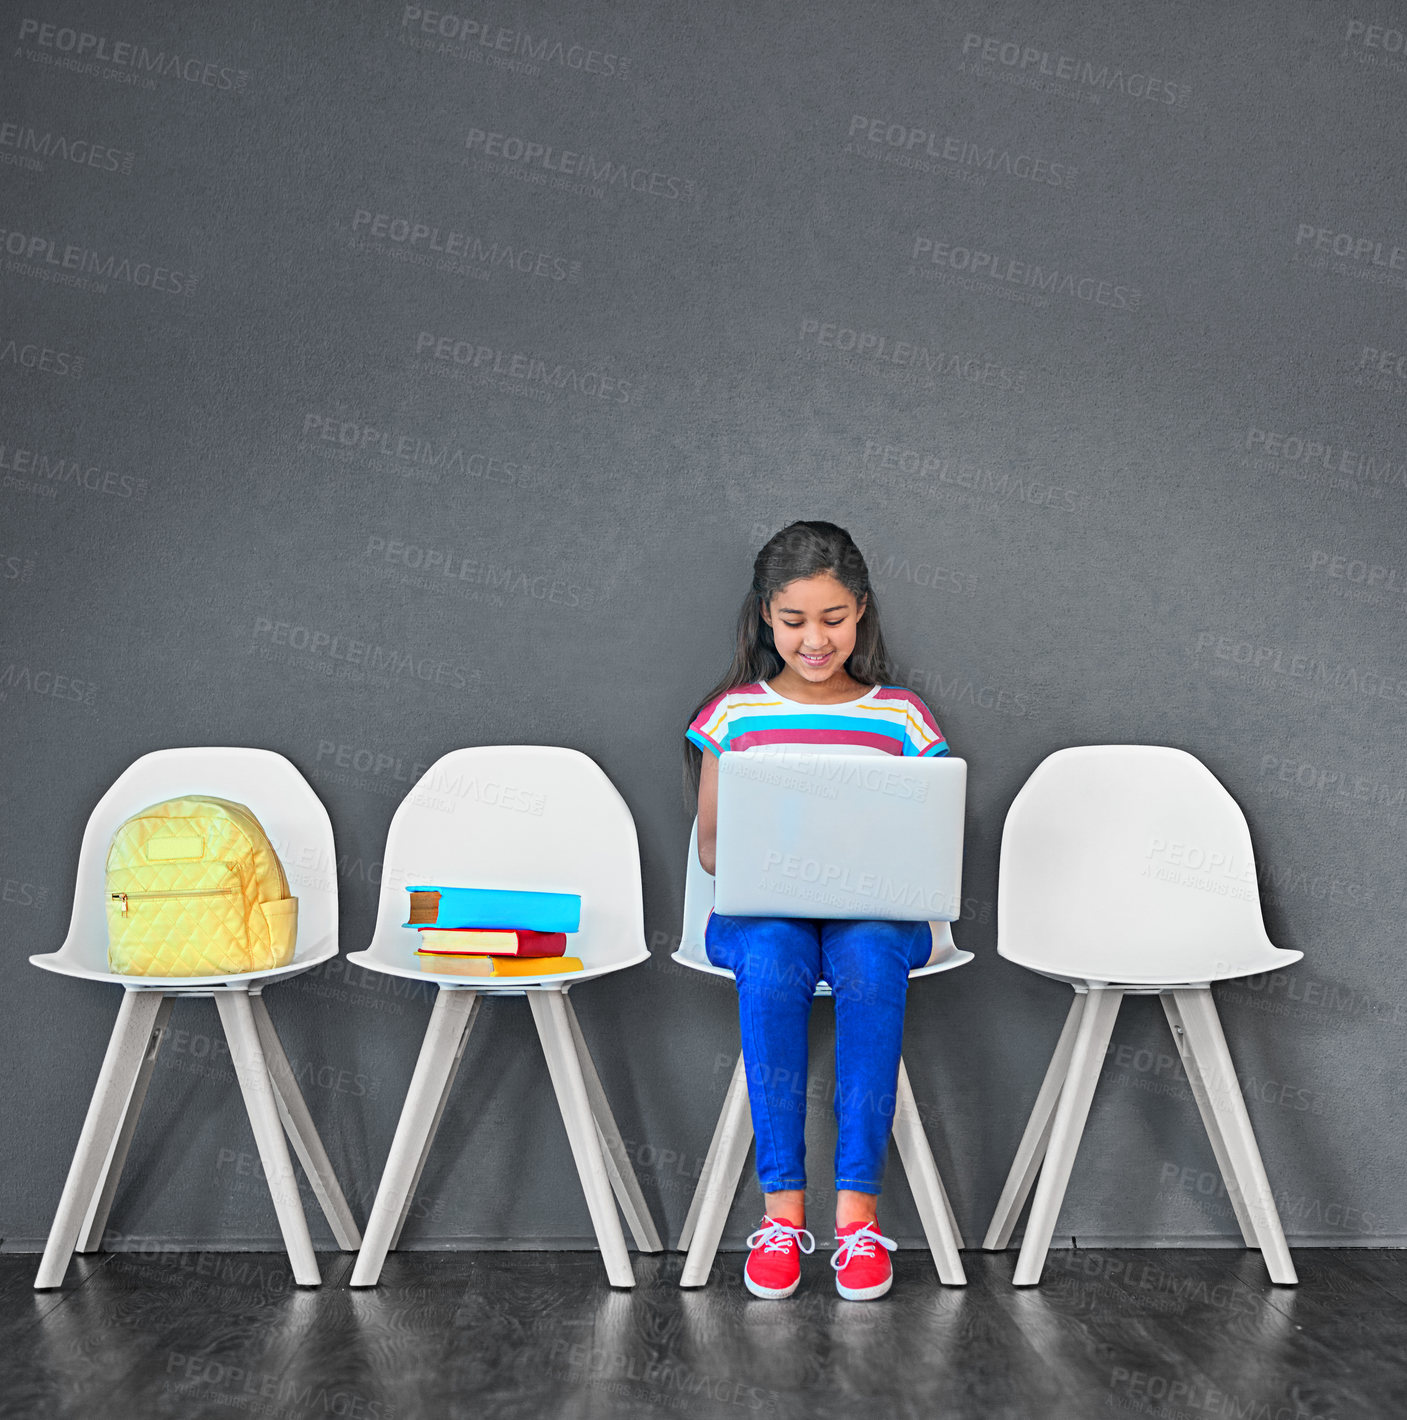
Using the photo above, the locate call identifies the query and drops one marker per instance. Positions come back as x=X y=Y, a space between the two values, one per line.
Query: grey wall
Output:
x=1160 y=501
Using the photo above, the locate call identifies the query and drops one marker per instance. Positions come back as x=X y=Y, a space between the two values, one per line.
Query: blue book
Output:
x=432 y=906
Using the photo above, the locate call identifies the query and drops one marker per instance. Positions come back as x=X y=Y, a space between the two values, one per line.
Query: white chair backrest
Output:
x=698 y=903
x=539 y=818
x=1130 y=863
x=268 y=784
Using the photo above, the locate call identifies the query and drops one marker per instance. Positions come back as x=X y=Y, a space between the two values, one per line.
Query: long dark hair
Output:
x=800 y=550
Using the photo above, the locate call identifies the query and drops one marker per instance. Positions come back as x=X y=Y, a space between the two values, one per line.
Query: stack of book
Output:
x=494 y=932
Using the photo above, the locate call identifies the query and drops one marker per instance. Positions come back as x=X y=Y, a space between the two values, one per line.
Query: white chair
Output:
x=299 y=829
x=727 y=1153
x=1128 y=870
x=534 y=817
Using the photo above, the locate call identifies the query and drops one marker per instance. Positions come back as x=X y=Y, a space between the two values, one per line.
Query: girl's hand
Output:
x=708 y=812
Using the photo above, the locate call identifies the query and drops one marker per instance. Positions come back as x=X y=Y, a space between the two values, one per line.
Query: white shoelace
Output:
x=860 y=1244
x=777 y=1237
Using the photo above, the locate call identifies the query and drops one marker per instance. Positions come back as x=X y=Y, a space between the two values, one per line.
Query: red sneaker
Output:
x=861 y=1262
x=774 y=1263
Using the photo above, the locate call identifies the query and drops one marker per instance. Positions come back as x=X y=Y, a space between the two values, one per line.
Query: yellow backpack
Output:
x=194 y=888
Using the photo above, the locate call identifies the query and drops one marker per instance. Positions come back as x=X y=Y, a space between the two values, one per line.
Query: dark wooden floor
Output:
x=1176 y=1334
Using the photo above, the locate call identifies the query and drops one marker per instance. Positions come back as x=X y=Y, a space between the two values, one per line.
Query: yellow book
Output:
x=457 y=964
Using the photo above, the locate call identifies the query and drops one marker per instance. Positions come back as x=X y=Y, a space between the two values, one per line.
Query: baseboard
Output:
x=168 y=1246
x=1232 y=1240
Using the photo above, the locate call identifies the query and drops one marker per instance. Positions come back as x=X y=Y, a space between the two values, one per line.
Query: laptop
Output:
x=808 y=833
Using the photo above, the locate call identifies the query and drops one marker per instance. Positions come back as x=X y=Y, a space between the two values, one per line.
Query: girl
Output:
x=810 y=667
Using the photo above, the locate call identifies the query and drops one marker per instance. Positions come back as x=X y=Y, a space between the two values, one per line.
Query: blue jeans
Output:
x=777 y=962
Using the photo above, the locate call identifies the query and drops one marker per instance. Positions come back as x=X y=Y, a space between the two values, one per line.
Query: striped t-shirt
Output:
x=886 y=720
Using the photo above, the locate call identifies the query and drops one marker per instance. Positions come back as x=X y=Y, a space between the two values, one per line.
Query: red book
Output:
x=492 y=942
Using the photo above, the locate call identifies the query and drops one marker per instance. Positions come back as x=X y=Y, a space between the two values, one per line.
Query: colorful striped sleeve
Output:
x=709 y=728
x=922 y=735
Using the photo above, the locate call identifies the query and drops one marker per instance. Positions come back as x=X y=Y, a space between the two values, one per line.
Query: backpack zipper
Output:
x=194 y=892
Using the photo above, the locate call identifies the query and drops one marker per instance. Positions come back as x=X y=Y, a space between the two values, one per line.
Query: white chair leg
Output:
x=302 y=1132
x=952 y=1217
x=1196 y=1079
x=126 y=1050
x=623 y=1181
x=1204 y=1034
x=252 y=1072
x=549 y=1010
x=434 y=1129
x=939 y=1226
x=1087 y=1058
x=424 y=1102
x=1030 y=1152
x=90 y=1235
x=719 y=1184
x=737 y=1081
